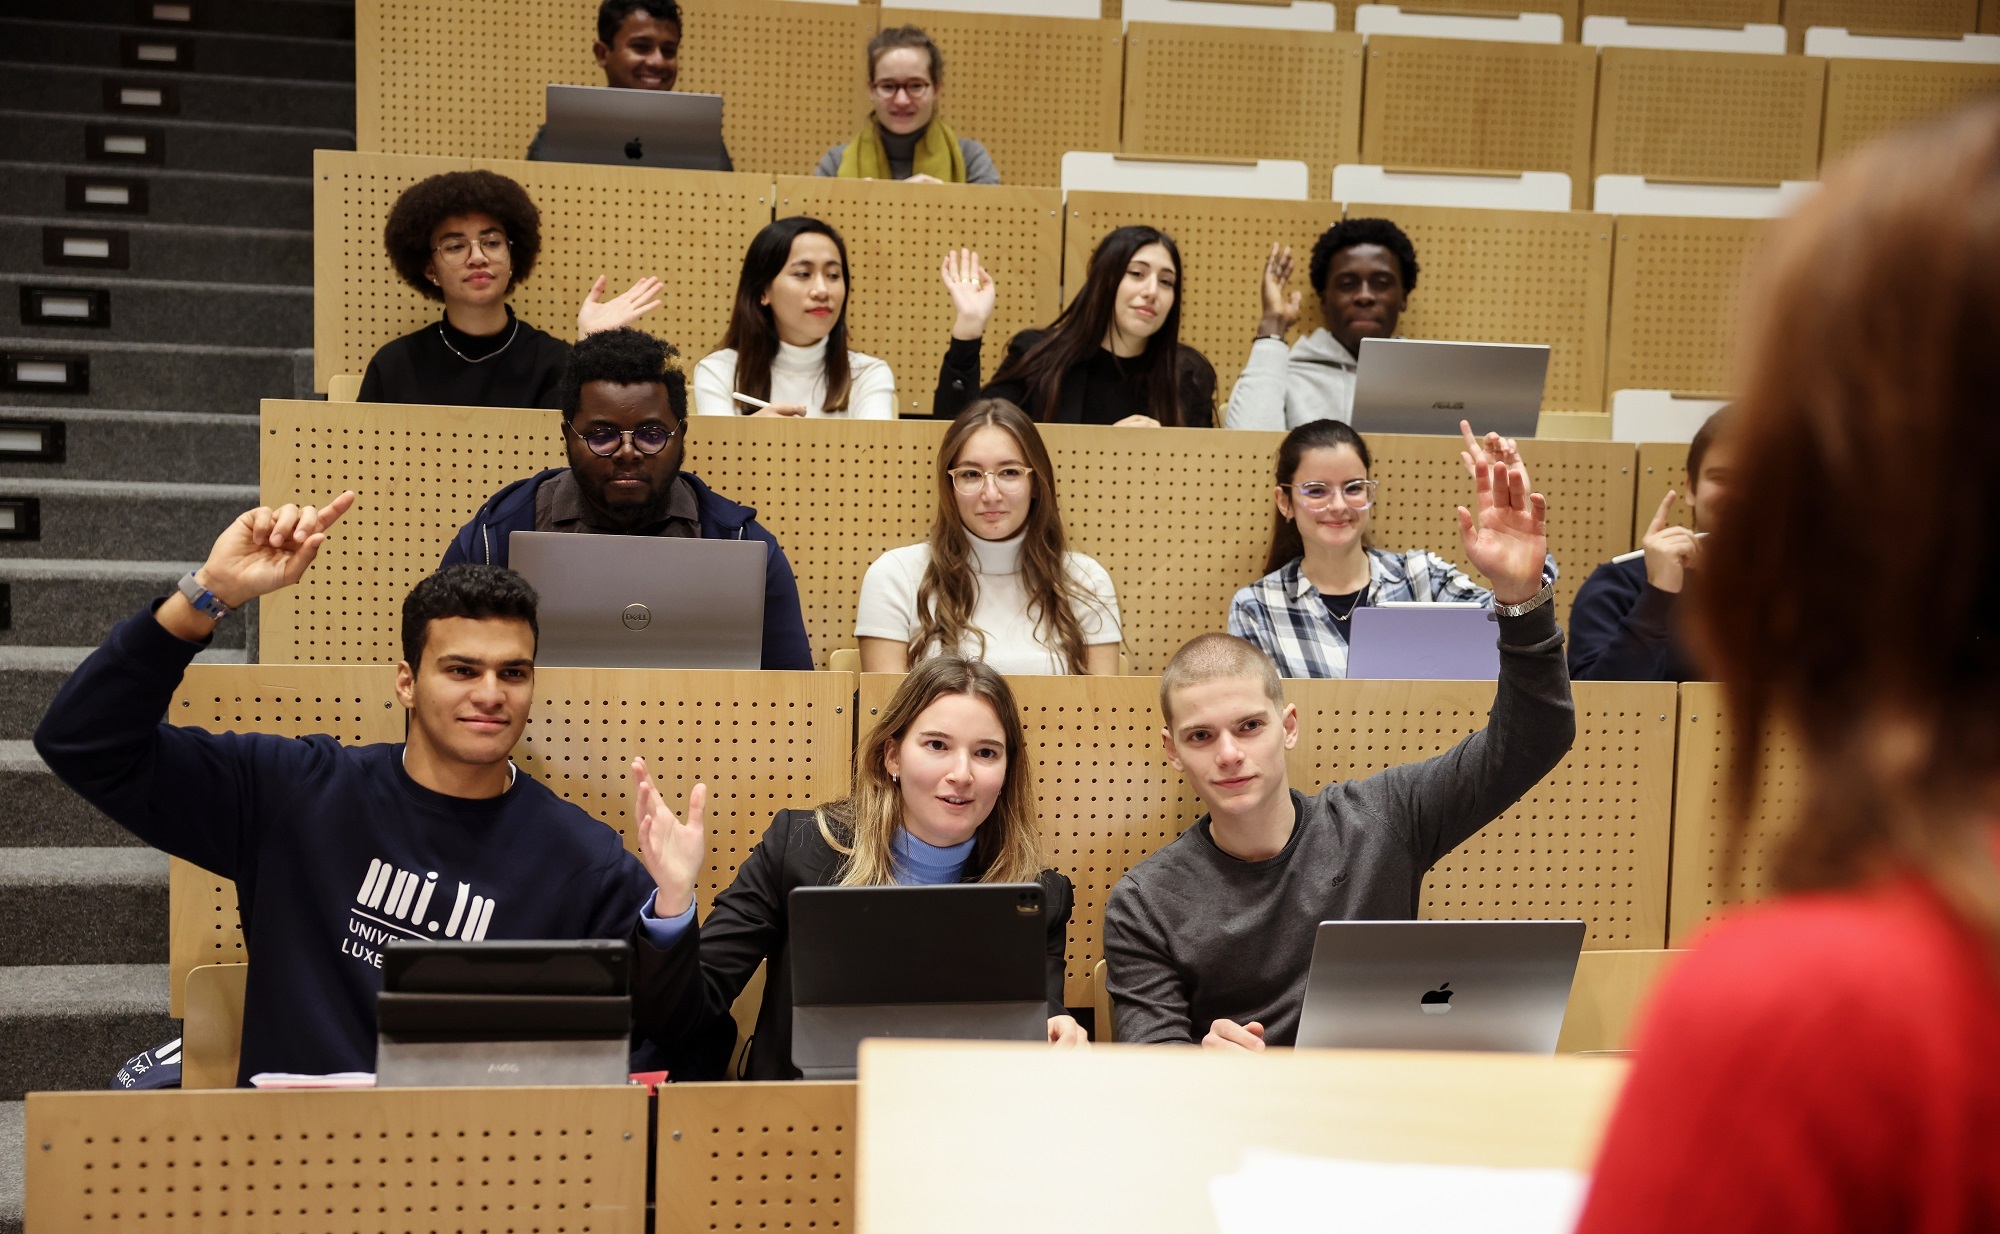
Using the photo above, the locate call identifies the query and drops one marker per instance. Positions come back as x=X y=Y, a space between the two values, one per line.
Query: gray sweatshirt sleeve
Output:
x=1442 y=802
x=979 y=167
x=829 y=163
x=1149 y=1000
x=1257 y=400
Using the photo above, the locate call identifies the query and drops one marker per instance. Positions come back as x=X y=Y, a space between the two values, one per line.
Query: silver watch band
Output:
x=1529 y=605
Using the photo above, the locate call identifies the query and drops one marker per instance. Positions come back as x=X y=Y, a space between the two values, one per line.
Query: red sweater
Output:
x=1824 y=1063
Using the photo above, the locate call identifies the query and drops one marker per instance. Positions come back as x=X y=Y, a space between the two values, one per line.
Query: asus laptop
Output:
x=1406 y=385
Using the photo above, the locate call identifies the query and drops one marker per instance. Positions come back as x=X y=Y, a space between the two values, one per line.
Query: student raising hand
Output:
x=1281 y=307
x=619 y=311
x=1670 y=550
x=973 y=293
x=1506 y=535
x=263 y=550
x=674 y=852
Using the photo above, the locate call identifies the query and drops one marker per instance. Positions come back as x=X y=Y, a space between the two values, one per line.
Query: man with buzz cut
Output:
x=1209 y=939
x=334 y=849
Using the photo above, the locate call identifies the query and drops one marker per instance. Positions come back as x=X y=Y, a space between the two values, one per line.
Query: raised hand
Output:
x=638 y=300
x=1281 y=308
x=1670 y=551
x=1507 y=539
x=673 y=852
x=1492 y=448
x=265 y=549
x=973 y=293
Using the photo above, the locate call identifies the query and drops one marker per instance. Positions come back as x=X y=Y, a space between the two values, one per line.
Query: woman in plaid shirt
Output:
x=1321 y=567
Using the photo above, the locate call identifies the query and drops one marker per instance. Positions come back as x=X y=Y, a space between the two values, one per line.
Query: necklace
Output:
x=1356 y=603
x=446 y=339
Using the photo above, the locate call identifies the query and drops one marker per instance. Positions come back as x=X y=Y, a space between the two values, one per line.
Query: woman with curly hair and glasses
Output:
x=466 y=238
x=994 y=581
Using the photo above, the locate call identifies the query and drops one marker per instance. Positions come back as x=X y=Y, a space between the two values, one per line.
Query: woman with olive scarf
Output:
x=904 y=139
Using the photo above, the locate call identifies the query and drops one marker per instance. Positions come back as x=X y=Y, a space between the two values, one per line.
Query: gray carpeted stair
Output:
x=160 y=311
x=41 y=811
x=83 y=906
x=162 y=446
x=170 y=376
x=12 y=1182
x=315 y=18
x=170 y=194
x=203 y=145
x=201 y=50
x=126 y=520
x=169 y=251
x=61 y=603
x=182 y=96
x=70 y=1025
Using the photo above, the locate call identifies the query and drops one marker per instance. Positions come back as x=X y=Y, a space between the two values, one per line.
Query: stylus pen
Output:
x=1637 y=553
x=758 y=403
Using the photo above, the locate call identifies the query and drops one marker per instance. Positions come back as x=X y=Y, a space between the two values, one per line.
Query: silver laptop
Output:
x=1440 y=985
x=644 y=601
x=965 y=961
x=1424 y=642
x=634 y=128
x=1406 y=385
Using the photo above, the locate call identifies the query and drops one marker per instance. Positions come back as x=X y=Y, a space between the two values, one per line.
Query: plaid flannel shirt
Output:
x=1283 y=613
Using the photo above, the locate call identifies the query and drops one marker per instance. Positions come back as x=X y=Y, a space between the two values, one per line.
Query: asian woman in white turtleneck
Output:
x=994 y=582
x=785 y=353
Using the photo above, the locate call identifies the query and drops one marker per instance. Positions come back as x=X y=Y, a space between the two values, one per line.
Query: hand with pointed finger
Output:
x=1507 y=539
x=973 y=293
x=638 y=300
x=1670 y=551
x=674 y=852
x=1229 y=1035
x=1066 y=1034
x=1492 y=448
x=265 y=549
x=1281 y=307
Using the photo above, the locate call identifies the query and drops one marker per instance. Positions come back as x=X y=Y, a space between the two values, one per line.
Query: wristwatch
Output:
x=202 y=598
x=1529 y=605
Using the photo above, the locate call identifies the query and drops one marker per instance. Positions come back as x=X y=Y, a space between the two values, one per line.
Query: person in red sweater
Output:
x=1829 y=1060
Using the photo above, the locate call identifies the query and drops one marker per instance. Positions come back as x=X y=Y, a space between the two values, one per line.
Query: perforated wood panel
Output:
x=467 y=80
x=1224 y=242
x=1565 y=9
x=687 y=227
x=1708 y=115
x=1185 y=95
x=1662 y=466
x=756 y=1157
x=897 y=234
x=1467 y=105
x=1675 y=290
x=1933 y=18
x=1989 y=16
x=1590 y=841
x=1707 y=12
x=549 y=1160
x=1514 y=276
x=1868 y=97
x=1701 y=809
x=1028 y=88
x=760 y=741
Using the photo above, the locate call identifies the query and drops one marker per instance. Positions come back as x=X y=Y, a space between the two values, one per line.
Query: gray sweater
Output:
x=1193 y=935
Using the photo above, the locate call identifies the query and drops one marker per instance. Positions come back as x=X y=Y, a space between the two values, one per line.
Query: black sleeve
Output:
x=371 y=382
x=958 y=379
x=1617 y=633
x=1058 y=902
x=1197 y=392
x=709 y=965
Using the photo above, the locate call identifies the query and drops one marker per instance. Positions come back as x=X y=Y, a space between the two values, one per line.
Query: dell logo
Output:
x=1444 y=406
x=636 y=617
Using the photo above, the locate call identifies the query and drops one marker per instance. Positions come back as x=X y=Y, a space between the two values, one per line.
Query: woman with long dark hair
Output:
x=1113 y=356
x=1321 y=567
x=785 y=352
x=942 y=793
x=994 y=581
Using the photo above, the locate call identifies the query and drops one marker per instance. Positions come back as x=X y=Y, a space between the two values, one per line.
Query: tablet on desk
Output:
x=1424 y=642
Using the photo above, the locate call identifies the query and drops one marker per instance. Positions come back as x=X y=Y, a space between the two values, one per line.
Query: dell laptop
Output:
x=634 y=128
x=1425 y=642
x=644 y=601
x=1406 y=385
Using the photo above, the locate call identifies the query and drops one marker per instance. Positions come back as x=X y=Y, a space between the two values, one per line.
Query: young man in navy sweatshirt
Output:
x=335 y=849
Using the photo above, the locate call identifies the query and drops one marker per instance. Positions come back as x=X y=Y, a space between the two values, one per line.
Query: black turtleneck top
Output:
x=518 y=367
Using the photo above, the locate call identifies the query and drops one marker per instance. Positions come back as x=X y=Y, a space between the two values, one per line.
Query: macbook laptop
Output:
x=963 y=961
x=644 y=601
x=1426 y=642
x=1406 y=385
x=1440 y=985
x=634 y=128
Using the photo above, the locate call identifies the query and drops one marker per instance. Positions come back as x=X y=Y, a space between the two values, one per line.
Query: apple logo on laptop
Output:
x=633 y=150
x=1436 y=1002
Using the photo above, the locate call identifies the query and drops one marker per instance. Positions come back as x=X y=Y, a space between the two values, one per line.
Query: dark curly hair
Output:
x=622 y=357
x=1349 y=232
x=428 y=202
x=468 y=589
x=612 y=14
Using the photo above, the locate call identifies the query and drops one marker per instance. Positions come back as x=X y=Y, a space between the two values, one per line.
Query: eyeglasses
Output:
x=605 y=442
x=970 y=480
x=886 y=90
x=456 y=249
x=1317 y=495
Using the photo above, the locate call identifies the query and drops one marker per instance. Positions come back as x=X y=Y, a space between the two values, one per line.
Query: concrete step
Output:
x=30 y=677
x=296 y=17
x=179 y=145
x=164 y=251
x=134 y=94
x=141 y=445
x=64 y=603
x=162 y=311
x=196 y=51
x=69 y=1026
x=157 y=195
x=41 y=811
x=83 y=906
x=162 y=376
x=113 y=520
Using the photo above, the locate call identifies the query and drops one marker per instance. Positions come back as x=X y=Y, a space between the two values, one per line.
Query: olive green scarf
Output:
x=937 y=154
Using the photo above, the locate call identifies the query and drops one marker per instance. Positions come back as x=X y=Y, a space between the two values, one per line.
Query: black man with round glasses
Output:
x=624 y=428
x=1321 y=566
x=467 y=238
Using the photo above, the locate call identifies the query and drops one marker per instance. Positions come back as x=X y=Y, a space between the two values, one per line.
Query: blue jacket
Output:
x=512 y=509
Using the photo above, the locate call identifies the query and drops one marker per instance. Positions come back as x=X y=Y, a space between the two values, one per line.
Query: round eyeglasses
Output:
x=456 y=250
x=886 y=90
x=970 y=480
x=1318 y=495
x=605 y=442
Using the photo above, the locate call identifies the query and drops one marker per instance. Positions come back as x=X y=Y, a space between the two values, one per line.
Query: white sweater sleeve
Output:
x=715 y=384
x=1258 y=398
x=1097 y=611
x=888 y=605
x=873 y=394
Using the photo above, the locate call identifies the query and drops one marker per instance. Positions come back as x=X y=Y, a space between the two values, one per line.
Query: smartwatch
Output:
x=202 y=598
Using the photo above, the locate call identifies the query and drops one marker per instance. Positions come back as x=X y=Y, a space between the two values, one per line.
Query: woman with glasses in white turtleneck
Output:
x=994 y=581
x=785 y=353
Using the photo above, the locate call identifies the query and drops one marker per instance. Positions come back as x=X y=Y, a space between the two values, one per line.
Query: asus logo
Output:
x=1442 y=406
